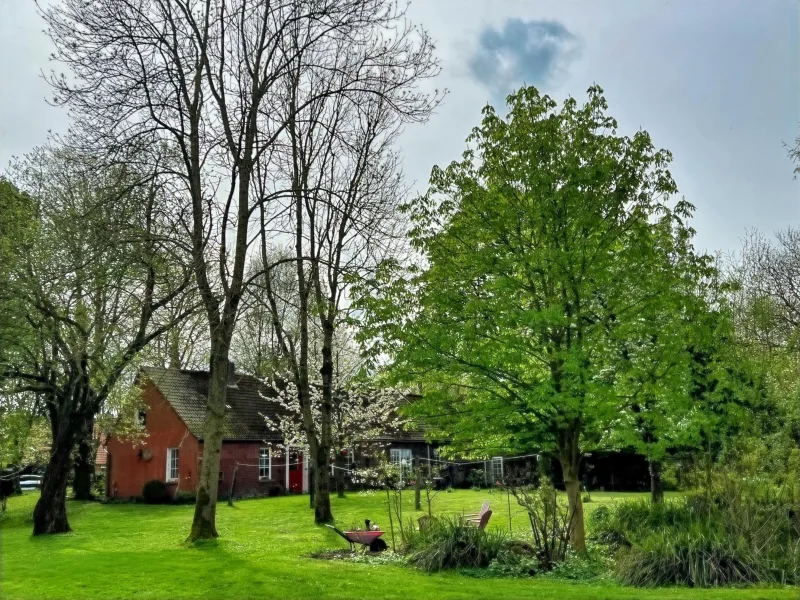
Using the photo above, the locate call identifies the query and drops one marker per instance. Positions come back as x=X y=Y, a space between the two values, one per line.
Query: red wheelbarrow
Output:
x=367 y=539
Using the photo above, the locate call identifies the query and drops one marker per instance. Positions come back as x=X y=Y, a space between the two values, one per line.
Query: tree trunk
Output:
x=312 y=501
x=84 y=462
x=50 y=513
x=322 y=511
x=339 y=474
x=656 y=483
x=205 y=509
x=570 y=459
x=174 y=340
x=322 y=487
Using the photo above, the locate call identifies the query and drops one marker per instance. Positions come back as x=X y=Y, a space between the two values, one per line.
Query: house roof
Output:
x=247 y=401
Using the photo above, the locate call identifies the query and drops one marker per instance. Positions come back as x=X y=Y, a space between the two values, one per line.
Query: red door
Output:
x=295 y=472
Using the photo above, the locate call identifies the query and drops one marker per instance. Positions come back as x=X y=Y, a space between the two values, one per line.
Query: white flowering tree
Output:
x=361 y=418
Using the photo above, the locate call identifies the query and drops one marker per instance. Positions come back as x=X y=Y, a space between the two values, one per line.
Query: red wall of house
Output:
x=247 y=482
x=128 y=471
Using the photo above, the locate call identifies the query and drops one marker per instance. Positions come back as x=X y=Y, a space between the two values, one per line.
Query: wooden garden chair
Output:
x=480 y=519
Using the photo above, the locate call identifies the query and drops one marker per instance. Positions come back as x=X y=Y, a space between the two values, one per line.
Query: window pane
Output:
x=172 y=464
x=263 y=463
x=497 y=468
x=401 y=457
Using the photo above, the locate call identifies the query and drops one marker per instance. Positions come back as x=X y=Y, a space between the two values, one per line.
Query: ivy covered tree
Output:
x=551 y=256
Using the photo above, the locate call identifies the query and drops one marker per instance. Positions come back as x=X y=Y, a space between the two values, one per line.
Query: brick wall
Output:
x=127 y=468
x=248 y=484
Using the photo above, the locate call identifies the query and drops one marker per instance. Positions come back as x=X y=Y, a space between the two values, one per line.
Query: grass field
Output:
x=137 y=551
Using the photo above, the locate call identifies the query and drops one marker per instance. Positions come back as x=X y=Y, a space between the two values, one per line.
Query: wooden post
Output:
x=417 y=484
x=233 y=482
x=286 y=475
x=391 y=522
x=508 y=492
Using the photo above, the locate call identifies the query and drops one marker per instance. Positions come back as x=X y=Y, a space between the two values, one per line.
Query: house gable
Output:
x=132 y=464
x=248 y=401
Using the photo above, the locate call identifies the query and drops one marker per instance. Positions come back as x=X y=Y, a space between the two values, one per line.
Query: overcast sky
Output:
x=716 y=82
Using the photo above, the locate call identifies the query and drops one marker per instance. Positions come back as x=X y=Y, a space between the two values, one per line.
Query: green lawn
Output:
x=137 y=551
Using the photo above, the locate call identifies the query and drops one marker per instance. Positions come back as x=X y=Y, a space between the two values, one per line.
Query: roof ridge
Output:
x=191 y=371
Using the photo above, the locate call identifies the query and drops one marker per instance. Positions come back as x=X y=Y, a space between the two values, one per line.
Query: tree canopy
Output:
x=556 y=283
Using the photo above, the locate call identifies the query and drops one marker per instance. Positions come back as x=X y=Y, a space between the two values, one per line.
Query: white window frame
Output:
x=350 y=460
x=402 y=457
x=497 y=461
x=265 y=453
x=173 y=471
x=349 y=463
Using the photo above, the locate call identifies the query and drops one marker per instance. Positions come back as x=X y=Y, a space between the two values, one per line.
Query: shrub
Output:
x=99 y=485
x=734 y=533
x=449 y=543
x=698 y=557
x=155 y=492
x=477 y=478
x=184 y=498
x=515 y=559
x=551 y=521
x=625 y=522
x=132 y=500
x=577 y=567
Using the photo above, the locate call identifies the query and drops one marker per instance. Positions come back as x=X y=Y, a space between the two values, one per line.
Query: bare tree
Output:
x=201 y=76
x=255 y=346
x=766 y=295
x=89 y=291
x=184 y=347
x=340 y=209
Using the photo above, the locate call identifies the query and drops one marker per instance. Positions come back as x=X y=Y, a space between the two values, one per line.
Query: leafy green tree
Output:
x=20 y=414
x=88 y=297
x=24 y=431
x=760 y=357
x=18 y=229
x=17 y=225
x=657 y=376
x=544 y=250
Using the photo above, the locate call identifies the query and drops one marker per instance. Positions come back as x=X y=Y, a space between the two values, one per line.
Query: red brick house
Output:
x=172 y=449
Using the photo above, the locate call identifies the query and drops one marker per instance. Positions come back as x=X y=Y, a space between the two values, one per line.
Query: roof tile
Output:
x=247 y=402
